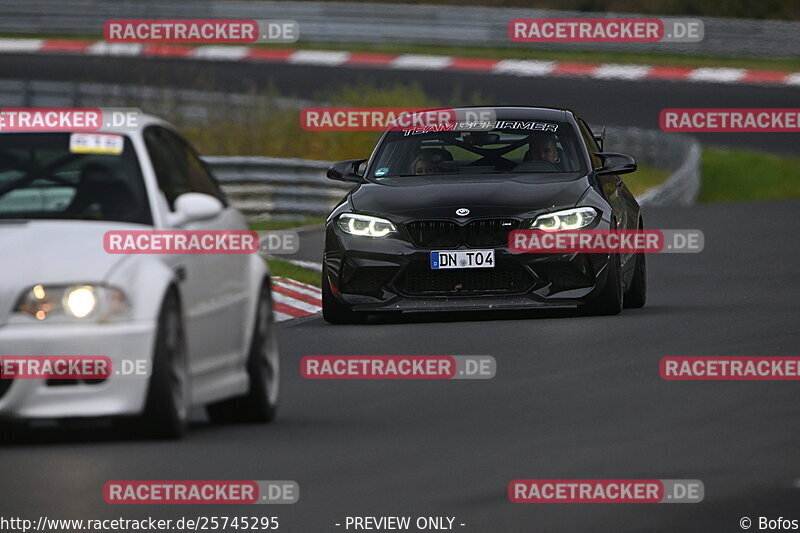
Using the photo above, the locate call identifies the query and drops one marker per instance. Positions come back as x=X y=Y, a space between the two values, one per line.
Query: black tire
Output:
x=166 y=412
x=10 y=430
x=636 y=295
x=609 y=301
x=333 y=311
x=260 y=404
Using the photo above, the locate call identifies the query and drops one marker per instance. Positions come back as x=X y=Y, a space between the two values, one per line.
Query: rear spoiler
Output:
x=600 y=137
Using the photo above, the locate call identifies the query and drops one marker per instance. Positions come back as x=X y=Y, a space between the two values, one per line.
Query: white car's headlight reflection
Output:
x=80 y=301
x=72 y=301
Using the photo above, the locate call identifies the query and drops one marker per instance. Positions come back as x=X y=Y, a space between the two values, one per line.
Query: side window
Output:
x=172 y=175
x=591 y=143
x=200 y=179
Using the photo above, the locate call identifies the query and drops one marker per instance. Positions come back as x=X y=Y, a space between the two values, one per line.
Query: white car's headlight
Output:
x=569 y=219
x=365 y=225
x=72 y=301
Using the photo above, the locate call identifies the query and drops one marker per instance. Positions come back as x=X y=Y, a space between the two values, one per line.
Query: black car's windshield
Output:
x=80 y=176
x=514 y=147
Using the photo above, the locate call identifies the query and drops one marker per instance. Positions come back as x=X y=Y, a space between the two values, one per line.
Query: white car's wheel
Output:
x=260 y=404
x=166 y=412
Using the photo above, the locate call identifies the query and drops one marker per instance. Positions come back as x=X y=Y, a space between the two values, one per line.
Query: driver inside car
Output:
x=423 y=166
x=542 y=148
x=427 y=161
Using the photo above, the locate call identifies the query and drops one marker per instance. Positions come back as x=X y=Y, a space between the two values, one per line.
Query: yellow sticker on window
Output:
x=96 y=143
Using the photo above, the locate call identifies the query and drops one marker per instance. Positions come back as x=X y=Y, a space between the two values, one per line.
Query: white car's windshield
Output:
x=71 y=176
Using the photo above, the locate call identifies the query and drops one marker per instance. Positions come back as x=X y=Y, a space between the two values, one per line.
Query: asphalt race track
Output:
x=574 y=397
x=617 y=102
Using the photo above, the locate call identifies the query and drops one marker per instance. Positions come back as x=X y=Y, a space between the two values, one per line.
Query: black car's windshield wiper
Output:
x=442 y=174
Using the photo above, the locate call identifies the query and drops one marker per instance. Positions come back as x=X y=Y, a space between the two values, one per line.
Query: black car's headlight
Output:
x=365 y=225
x=568 y=219
x=72 y=302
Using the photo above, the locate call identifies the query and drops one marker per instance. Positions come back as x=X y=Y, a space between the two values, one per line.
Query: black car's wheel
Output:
x=260 y=404
x=166 y=411
x=636 y=295
x=609 y=301
x=9 y=430
x=333 y=311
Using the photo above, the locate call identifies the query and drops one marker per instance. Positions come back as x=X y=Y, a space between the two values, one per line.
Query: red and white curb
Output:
x=330 y=58
x=292 y=299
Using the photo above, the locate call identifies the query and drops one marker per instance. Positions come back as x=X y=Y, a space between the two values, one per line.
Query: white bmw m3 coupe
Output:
x=202 y=322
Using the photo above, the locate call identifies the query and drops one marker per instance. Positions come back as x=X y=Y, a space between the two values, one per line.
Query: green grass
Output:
x=269 y=130
x=742 y=175
x=274 y=225
x=644 y=178
x=277 y=132
x=284 y=269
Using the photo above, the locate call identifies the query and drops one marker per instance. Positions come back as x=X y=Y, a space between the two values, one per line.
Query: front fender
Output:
x=144 y=279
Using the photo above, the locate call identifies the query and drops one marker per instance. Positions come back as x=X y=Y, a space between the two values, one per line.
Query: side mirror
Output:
x=193 y=207
x=614 y=163
x=346 y=171
x=600 y=137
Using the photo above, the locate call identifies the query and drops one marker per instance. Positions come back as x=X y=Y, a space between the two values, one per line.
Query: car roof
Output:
x=522 y=112
x=519 y=112
x=143 y=120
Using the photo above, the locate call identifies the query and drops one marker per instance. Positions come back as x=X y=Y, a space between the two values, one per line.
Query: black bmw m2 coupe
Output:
x=426 y=227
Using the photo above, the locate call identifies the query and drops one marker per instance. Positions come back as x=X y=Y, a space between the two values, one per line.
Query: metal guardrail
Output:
x=271 y=187
x=267 y=187
x=349 y=22
x=181 y=105
x=682 y=155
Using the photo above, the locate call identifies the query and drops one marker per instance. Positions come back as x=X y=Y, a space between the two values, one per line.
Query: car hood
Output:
x=52 y=252
x=422 y=197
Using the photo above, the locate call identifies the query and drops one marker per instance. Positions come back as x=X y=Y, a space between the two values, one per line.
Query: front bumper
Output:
x=392 y=274
x=118 y=395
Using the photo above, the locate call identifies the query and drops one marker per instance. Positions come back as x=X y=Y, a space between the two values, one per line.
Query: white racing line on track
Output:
x=292 y=299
